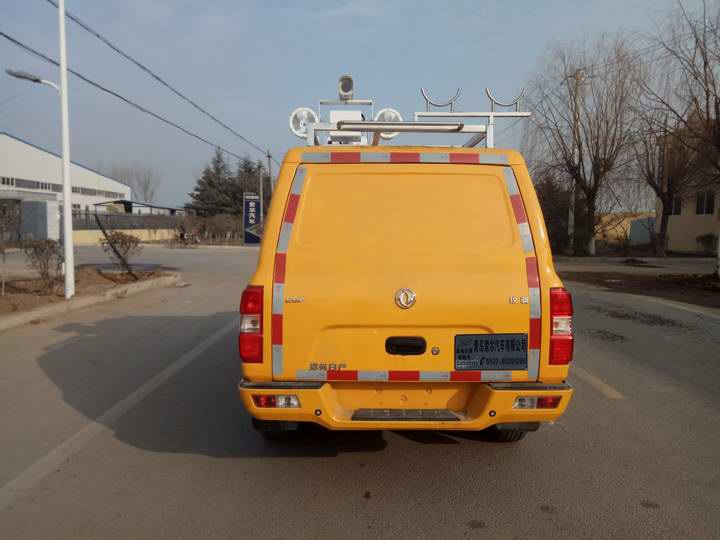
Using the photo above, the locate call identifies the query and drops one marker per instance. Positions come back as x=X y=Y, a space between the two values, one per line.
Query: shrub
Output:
x=125 y=245
x=45 y=258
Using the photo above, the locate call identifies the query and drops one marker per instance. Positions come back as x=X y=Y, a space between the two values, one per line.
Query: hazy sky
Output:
x=251 y=63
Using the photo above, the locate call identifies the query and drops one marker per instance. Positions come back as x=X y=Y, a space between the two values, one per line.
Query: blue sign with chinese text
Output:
x=251 y=218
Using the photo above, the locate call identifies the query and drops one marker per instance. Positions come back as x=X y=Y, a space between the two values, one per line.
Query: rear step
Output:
x=410 y=415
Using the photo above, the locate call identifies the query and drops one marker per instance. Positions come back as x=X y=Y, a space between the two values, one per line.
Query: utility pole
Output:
x=269 y=158
x=262 y=200
x=576 y=80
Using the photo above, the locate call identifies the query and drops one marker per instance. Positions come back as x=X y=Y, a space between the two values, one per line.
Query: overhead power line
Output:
x=159 y=79
x=137 y=106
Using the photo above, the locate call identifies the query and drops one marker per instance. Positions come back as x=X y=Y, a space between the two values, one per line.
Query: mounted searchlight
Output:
x=388 y=115
x=299 y=120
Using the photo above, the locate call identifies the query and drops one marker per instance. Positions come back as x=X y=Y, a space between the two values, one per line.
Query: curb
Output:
x=46 y=312
x=210 y=246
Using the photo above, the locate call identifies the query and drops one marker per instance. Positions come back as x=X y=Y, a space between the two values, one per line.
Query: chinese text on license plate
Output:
x=491 y=351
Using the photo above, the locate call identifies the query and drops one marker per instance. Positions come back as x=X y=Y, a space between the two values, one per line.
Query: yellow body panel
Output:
x=340 y=319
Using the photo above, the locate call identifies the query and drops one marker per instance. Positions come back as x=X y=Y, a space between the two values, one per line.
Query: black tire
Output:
x=274 y=430
x=505 y=435
x=274 y=435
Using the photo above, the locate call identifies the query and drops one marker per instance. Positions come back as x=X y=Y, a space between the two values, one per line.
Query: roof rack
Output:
x=351 y=127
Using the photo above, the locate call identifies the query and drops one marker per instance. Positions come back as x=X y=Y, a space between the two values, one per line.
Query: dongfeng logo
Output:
x=405 y=298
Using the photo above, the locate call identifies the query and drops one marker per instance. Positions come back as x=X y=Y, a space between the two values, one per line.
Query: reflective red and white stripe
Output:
x=406 y=376
x=531 y=270
x=278 y=294
x=405 y=157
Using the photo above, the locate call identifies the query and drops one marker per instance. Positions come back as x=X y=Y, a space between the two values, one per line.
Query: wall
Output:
x=87 y=238
x=39 y=220
x=640 y=231
x=616 y=227
x=685 y=228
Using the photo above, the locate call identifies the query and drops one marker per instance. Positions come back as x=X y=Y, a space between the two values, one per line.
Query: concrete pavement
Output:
x=636 y=455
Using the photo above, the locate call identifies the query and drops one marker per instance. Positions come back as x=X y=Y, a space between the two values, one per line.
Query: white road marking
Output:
x=71 y=446
x=604 y=388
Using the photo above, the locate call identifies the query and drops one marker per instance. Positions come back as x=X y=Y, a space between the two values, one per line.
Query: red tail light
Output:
x=561 y=337
x=250 y=339
x=548 y=402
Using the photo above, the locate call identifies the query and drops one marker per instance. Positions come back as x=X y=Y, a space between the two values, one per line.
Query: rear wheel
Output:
x=275 y=430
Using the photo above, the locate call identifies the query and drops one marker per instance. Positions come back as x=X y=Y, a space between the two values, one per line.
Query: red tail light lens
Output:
x=250 y=339
x=561 y=337
x=264 y=401
x=548 y=402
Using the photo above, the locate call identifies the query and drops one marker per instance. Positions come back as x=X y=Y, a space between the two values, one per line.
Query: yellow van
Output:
x=405 y=288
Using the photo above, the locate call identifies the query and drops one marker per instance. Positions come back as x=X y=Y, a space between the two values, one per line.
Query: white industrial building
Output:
x=33 y=176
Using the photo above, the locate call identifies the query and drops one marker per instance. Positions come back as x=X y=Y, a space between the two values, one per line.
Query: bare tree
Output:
x=582 y=123
x=144 y=180
x=662 y=163
x=689 y=115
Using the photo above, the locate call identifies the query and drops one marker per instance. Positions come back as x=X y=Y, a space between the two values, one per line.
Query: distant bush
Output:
x=224 y=227
x=126 y=245
x=45 y=258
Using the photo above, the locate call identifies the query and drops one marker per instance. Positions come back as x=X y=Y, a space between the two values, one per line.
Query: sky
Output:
x=250 y=63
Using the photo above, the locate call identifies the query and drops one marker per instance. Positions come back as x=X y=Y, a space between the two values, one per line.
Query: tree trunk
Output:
x=590 y=225
x=580 y=240
x=717 y=266
x=4 y=272
x=661 y=240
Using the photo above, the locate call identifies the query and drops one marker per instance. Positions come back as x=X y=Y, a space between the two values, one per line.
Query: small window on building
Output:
x=705 y=203
x=676 y=209
x=76 y=207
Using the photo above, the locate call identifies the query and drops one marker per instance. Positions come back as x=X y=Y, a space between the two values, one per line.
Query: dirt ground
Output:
x=701 y=290
x=25 y=294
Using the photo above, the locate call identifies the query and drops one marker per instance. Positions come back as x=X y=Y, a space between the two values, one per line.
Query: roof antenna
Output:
x=494 y=102
x=450 y=102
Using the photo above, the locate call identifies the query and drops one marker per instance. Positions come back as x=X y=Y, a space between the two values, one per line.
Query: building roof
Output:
x=59 y=156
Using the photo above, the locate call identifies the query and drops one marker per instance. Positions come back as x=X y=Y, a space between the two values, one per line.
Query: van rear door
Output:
x=405 y=272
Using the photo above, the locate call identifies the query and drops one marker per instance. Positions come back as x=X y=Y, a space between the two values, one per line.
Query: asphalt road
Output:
x=121 y=421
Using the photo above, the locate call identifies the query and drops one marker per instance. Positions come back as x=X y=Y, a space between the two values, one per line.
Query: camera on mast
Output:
x=345 y=88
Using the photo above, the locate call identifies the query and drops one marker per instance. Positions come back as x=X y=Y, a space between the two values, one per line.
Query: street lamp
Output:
x=68 y=254
x=25 y=76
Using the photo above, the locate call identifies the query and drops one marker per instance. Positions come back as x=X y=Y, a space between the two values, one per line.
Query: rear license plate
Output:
x=491 y=351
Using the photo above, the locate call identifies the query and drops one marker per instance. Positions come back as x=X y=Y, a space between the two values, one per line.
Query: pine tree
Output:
x=215 y=190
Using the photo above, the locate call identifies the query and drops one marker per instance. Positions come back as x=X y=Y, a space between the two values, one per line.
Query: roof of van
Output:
x=294 y=155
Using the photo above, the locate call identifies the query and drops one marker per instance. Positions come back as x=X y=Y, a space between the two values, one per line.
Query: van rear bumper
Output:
x=369 y=406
